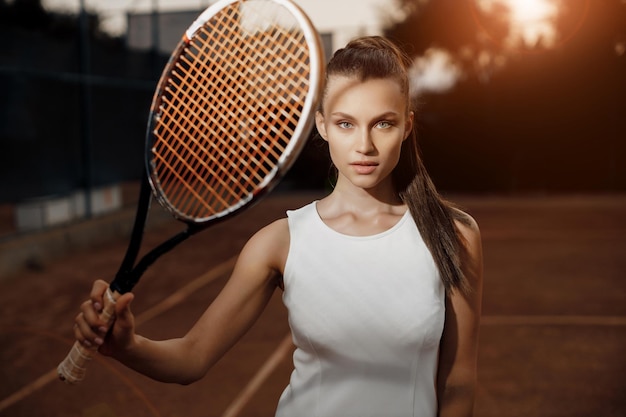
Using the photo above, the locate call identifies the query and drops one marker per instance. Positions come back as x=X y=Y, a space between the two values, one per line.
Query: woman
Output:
x=382 y=278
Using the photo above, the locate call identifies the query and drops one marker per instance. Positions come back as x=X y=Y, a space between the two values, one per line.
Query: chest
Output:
x=372 y=298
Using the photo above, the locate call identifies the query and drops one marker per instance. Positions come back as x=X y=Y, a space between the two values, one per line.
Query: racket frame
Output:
x=304 y=126
x=72 y=369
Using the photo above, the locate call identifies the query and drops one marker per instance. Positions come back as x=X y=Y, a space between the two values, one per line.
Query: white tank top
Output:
x=366 y=314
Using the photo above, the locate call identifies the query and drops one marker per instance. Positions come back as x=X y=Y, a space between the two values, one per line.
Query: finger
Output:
x=98 y=289
x=91 y=314
x=123 y=313
x=123 y=303
x=85 y=334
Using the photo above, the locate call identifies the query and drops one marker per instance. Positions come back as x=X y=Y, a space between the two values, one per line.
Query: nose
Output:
x=365 y=145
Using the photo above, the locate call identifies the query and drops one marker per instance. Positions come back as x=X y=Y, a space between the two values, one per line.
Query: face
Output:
x=364 y=123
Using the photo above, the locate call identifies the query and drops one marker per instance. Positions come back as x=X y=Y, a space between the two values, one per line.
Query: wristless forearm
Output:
x=164 y=361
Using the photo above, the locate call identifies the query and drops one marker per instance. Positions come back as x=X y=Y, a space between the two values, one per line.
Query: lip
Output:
x=364 y=167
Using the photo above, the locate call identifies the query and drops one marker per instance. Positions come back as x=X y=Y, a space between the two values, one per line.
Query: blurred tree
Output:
x=443 y=23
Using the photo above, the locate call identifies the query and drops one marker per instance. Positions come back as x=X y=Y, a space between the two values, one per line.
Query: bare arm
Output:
x=232 y=313
x=456 y=378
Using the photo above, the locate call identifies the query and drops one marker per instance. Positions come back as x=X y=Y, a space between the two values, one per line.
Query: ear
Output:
x=408 y=126
x=319 y=123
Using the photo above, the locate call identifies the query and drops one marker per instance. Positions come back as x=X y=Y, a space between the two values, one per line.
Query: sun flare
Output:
x=531 y=23
x=530 y=11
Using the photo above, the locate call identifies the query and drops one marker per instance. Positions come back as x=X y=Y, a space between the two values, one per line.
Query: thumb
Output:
x=120 y=336
x=123 y=315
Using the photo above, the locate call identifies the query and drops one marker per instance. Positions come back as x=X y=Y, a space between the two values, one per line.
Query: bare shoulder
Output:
x=270 y=245
x=468 y=227
x=274 y=233
x=473 y=259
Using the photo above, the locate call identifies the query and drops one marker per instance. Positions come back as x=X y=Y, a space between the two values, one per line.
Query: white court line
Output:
x=237 y=405
x=552 y=320
x=183 y=293
x=167 y=303
x=29 y=389
x=285 y=347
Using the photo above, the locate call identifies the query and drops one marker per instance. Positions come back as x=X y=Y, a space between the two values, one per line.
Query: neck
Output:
x=381 y=198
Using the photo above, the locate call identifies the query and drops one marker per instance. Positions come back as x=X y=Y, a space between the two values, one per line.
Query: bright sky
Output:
x=113 y=12
x=531 y=22
x=360 y=15
x=435 y=72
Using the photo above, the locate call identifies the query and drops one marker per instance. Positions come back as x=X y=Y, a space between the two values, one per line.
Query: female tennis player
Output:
x=382 y=278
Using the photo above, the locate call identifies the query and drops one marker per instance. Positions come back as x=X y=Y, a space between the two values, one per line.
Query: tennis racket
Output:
x=231 y=112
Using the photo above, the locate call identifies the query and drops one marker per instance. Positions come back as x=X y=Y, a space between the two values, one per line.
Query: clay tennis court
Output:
x=553 y=337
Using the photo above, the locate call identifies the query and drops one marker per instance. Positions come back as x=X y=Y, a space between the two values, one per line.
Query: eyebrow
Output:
x=380 y=116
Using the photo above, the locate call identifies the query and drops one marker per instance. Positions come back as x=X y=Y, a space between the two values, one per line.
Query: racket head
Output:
x=233 y=108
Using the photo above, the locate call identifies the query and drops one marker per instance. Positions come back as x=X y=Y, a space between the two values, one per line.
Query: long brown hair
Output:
x=374 y=57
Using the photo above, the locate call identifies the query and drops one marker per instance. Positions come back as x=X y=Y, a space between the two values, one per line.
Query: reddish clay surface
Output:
x=552 y=339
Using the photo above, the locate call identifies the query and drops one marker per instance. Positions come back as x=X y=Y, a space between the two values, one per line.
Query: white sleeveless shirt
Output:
x=366 y=314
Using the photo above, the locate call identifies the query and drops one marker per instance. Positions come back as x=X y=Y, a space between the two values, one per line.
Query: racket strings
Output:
x=231 y=105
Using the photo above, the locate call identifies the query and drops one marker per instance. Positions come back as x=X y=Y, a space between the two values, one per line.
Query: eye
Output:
x=384 y=124
x=344 y=125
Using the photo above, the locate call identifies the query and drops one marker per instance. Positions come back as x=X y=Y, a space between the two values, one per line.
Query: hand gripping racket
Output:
x=231 y=112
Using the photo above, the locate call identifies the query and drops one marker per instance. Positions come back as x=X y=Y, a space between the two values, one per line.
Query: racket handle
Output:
x=73 y=368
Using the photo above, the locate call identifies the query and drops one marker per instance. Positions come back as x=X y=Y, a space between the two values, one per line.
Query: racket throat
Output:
x=126 y=279
x=136 y=237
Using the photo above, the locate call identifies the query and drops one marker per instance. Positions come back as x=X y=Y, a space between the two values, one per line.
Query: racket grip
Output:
x=73 y=368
